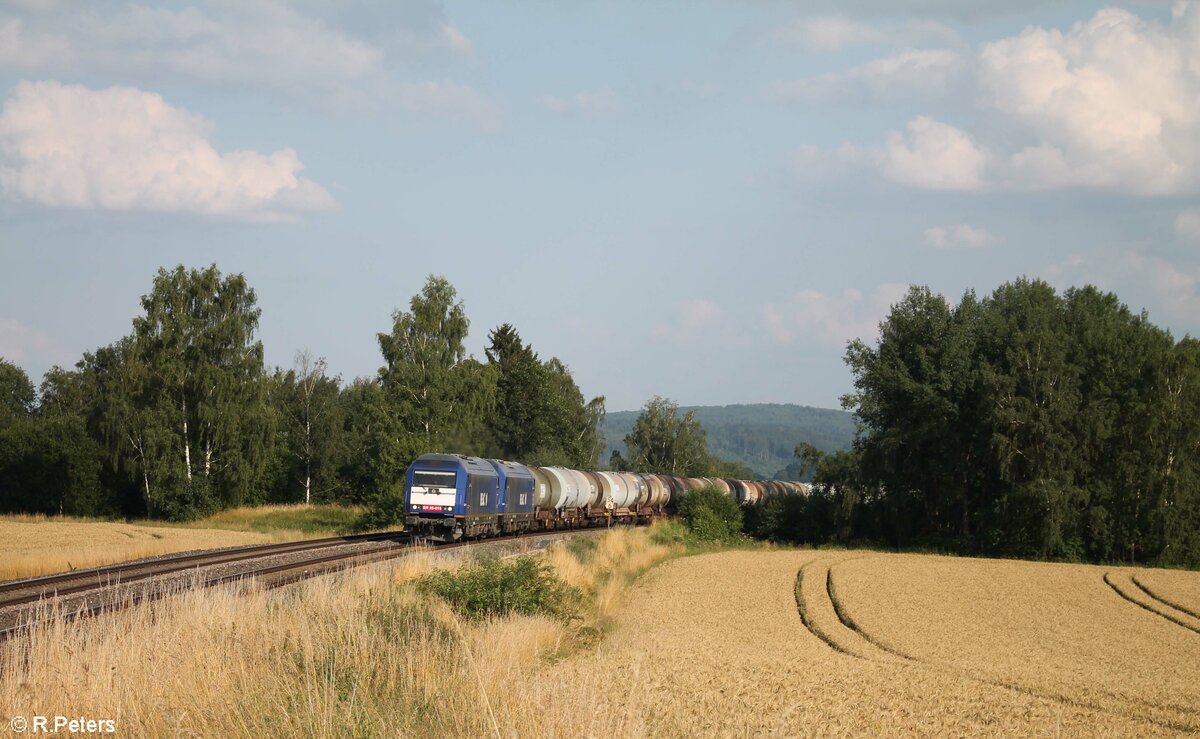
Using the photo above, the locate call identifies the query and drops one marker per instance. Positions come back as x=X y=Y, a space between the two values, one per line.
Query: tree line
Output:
x=1025 y=423
x=181 y=417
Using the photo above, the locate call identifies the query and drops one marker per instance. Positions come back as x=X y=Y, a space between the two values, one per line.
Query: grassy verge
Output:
x=372 y=653
x=309 y=521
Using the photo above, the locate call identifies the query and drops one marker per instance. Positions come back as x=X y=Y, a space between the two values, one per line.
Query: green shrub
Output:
x=669 y=533
x=495 y=587
x=385 y=510
x=711 y=515
x=780 y=518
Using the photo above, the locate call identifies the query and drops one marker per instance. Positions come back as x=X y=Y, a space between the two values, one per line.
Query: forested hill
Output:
x=762 y=436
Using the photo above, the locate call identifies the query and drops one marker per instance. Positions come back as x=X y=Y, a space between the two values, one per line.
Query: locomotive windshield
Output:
x=434 y=479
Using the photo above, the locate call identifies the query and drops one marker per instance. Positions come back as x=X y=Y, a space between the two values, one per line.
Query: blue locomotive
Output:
x=448 y=497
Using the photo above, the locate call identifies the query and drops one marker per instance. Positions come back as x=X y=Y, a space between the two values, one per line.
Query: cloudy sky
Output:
x=702 y=200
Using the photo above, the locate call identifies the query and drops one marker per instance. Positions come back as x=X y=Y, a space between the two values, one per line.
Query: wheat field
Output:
x=30 y=548
x=734 y=643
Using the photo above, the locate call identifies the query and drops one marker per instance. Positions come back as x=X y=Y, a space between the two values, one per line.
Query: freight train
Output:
x=448 y=497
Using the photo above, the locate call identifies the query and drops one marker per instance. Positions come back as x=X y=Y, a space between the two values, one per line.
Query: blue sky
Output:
x=698 y=200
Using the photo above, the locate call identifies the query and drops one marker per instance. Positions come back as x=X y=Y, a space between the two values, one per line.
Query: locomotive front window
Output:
x=434 y=479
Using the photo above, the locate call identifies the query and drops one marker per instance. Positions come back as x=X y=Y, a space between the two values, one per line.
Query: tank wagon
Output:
x=448 y=497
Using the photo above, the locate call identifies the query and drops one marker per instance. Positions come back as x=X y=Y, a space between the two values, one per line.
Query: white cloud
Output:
x=20 y=343
x=934 y=155
x=815 y=317
x=825 y=33
x=1113 y=102
x=698 y=314
x=20 y=49
x=1187 y=224
x=959 y=236
x=124 y=149
x=1141 y=280
x=921 y=74
x=454 y=39
x=291 y=49
x=816 y=165
x=694 y=318
x=834 y=32
x=450 y=99
x=602 y=100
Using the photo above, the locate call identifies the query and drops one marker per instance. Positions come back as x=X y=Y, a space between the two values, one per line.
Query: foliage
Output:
x=1027 y=423
x=305 y=400
x=662 y=441
x=435 y=396
x=711 y=515
x=180 y=418
x=540 y=415
x=492 y=587
x=180 y=403
x=16 y=393
x=50 y=465
x=384 y=509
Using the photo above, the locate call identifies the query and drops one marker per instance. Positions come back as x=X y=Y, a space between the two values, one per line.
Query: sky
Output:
x=699 y=200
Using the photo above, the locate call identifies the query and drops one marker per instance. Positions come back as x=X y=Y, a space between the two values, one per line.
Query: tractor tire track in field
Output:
x=1165 y=601
x=851 y=624
x=802 y=606
x=883 y=652
x=1154 y=605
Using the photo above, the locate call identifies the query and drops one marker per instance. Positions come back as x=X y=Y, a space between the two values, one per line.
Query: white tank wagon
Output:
x=637 y=487
x=616 y=488
x=541 y=489
x=564 y=488
x=658 y=494
x=587 y=487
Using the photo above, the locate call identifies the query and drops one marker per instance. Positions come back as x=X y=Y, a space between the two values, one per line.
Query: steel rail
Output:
x=287 y=572
x=175 y=562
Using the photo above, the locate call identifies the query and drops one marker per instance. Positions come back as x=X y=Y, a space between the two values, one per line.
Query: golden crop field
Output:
x=799 y=643
x=734 y=643
x=32 y=546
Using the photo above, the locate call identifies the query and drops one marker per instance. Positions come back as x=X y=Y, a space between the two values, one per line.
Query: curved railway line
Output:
x=23 y=603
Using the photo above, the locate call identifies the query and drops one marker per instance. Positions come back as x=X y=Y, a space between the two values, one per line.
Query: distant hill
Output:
x=761 y=436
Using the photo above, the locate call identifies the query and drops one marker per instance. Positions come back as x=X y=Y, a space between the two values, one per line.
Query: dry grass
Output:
x=366 y=654
x=41 y=545
x=710 y=645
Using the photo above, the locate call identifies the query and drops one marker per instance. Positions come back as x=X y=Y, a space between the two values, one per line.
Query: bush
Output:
x=385 y=510
x=669 y=533
x=711 y=515
x=495 y=587
x=786 y=518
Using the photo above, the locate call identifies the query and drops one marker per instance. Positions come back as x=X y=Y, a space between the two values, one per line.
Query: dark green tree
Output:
x=663 y=442
x=517 y=421
x=199 y=392
x=311 y=424
x=17 y=395
x=437 y=396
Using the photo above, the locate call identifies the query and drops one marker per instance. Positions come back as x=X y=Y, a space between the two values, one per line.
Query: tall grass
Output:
x=370 y=653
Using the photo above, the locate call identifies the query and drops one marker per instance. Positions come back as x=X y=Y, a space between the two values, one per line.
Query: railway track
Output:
x=30 y=590
x=115 y=587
